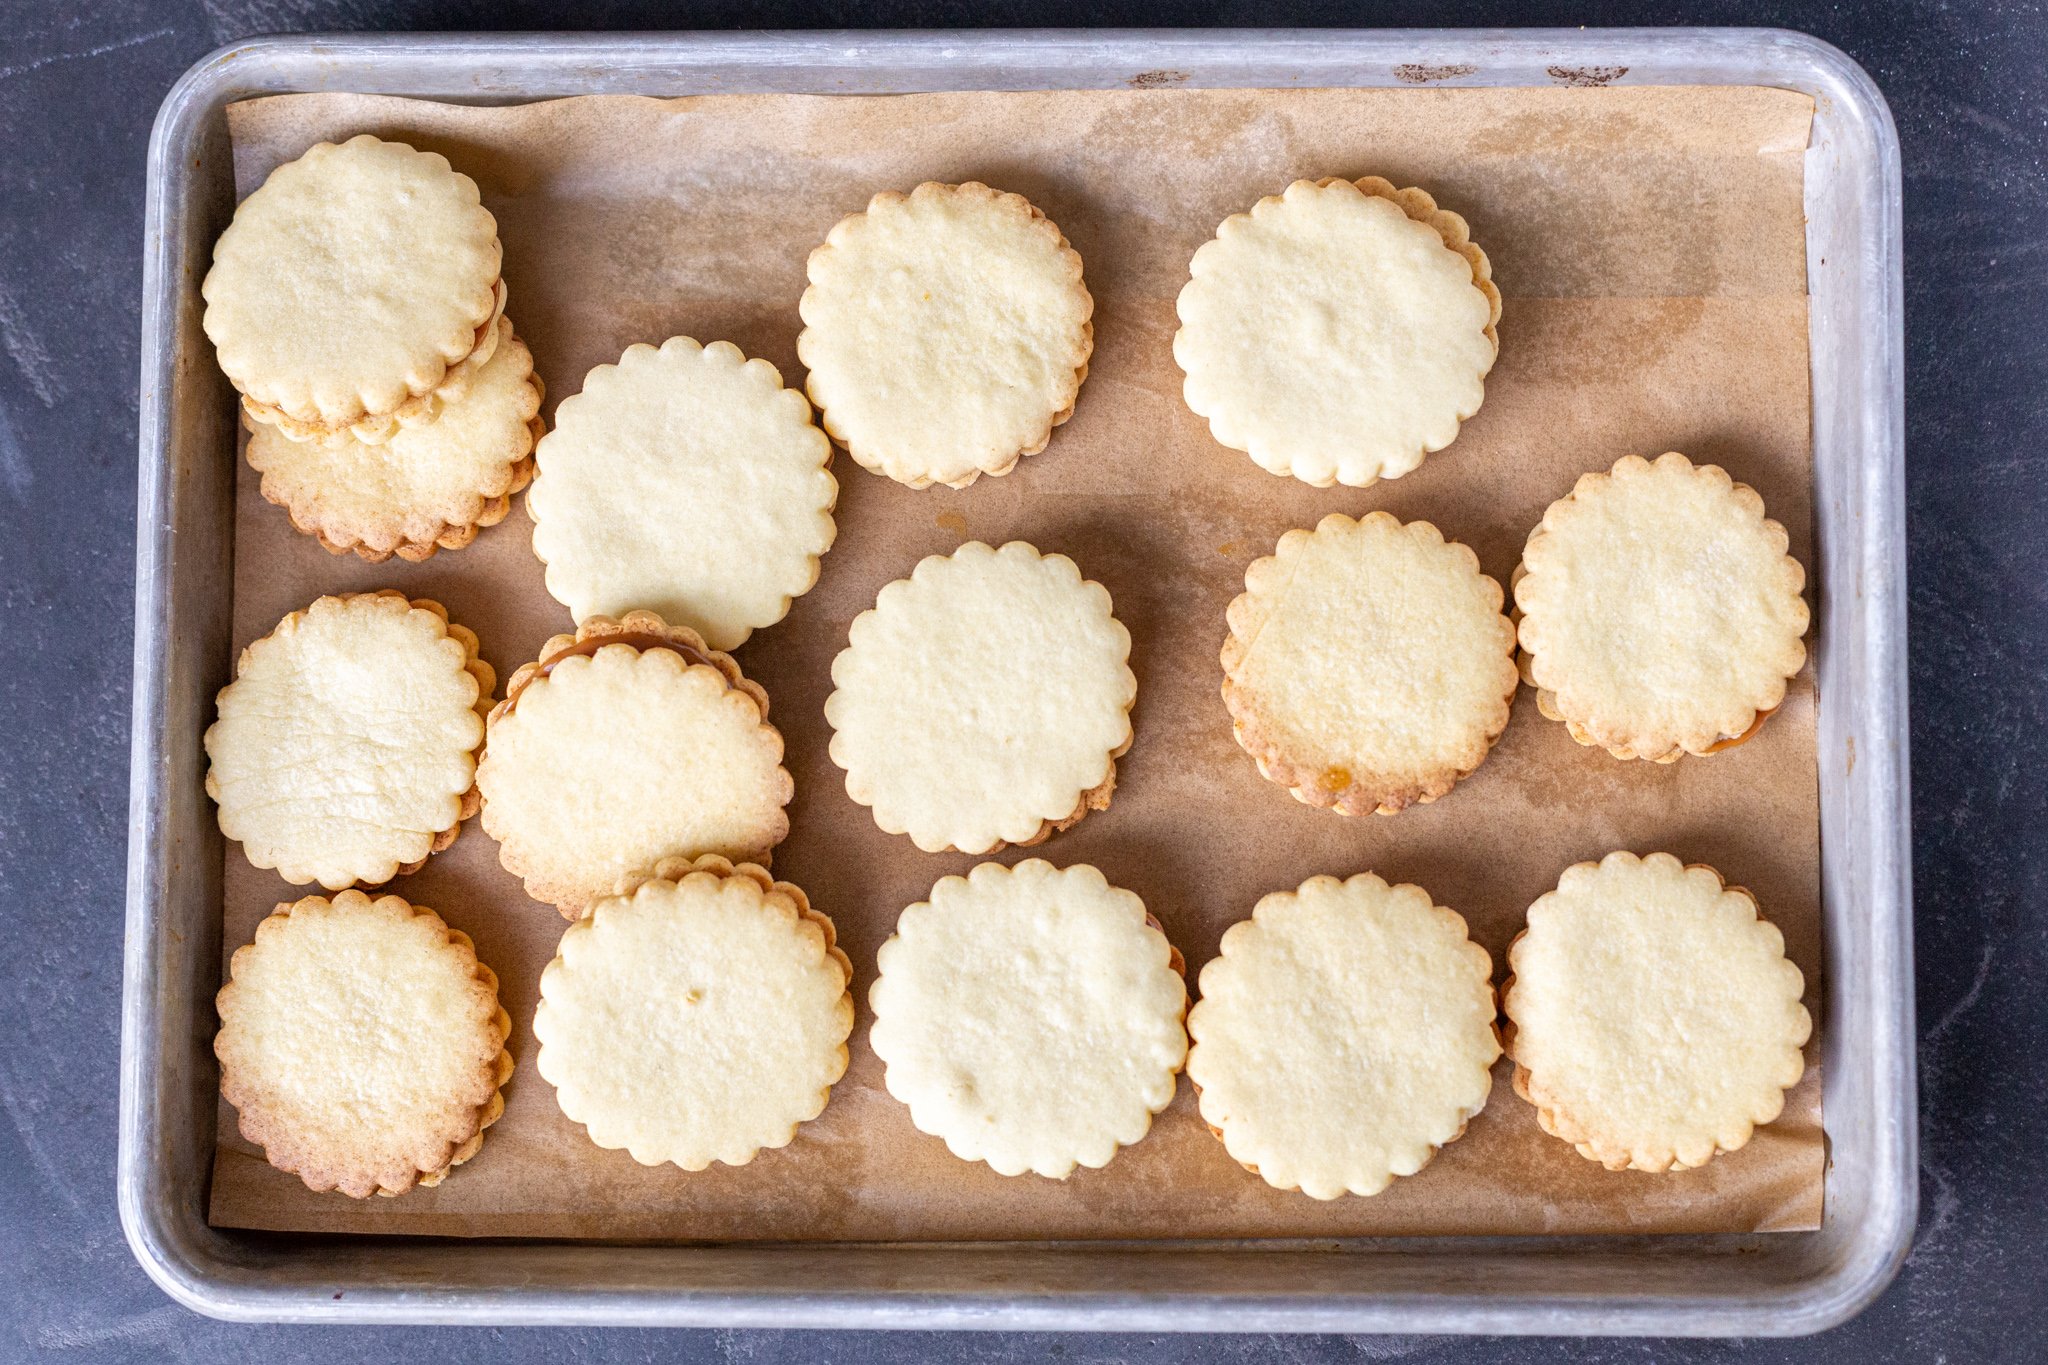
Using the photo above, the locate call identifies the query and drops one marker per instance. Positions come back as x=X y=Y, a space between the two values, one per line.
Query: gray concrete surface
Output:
x=78 y=86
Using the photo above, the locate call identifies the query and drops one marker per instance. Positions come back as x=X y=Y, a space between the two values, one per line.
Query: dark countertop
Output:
x=1968 y=84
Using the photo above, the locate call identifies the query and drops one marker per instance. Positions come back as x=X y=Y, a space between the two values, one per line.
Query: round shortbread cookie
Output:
x=1660 y=613
x=1030 y=1016
x=1368 y=666
x=700 y=1018
x=429 y=487
x=362 y=1044
x=984 y=700
x=416 y=411
x=626 y=743
x=1338 y=332
x=1655 y=1019
x=946 y=332
x=686 y=481
x=351 y=281
x=1345 y=1033
x=345 y=749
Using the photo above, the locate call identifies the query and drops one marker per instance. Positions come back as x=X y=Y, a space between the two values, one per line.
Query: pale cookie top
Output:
x=418 y=410
x=351 y=280
x=345 y=747
x=1368 y=665
x=625 y=744
x=982 y=700
x=687 y=481
x=1656 y=1019
x=410 y=492
x=946 y=332
x=1030 y=1016
x=1345 y=1032
x=1338 y=332
x=698 y=1019
x=362 y=1043
x=1661 y=614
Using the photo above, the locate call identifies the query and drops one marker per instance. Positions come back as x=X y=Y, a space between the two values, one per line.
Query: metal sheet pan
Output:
x=1738 y=1285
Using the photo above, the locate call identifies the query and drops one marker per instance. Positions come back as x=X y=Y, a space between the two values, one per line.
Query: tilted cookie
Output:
x=946 y=332
x=351 y=281
x=429 y=487
x=623 y=744
x=1655 y=1019
x=416 y=411
x=1030 y=1016
x=1368 y=665
x=1345 y=1033
x=345 y=748
x=1660 y=613
x=362 y=1044
x=1338 y=332
x=699 y=1018
x=687 y=481
x=984 y=700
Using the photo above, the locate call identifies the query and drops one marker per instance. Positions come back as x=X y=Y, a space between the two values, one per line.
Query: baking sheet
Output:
x=1649 y=246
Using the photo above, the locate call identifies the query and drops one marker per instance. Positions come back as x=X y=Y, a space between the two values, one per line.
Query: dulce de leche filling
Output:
x=1721 y=745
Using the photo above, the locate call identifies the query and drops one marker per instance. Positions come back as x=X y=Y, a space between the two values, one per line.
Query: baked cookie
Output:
x=1338 y=332
x=1030 y=1016
x=345 y=749
x=1345 y=1033
x=946 y=332
x=1368 y=666
x=1660 y=614
x=626 y=743
x=417 y=411
x=689 y=482
x=1654 y=1018
x=699 y=1018
x=429 y=487
x=362 y=1044
x=984 y=700
x=351 y=282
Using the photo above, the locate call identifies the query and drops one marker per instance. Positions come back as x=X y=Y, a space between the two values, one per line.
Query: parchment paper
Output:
x=1649 y=245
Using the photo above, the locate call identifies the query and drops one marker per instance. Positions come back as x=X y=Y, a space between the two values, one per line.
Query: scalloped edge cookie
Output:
x=934 y=820
x=1112 y=974
x=294 y=1154
x=402 y=532
x=253 y=264
x=1604 y=725
x=1576 y=1119
x=1320 y=469
x=1271 y=1141
x=1308 y=780
x=641 y=505
x=485 y=678
x=639 y=631
x=889 y=450
x=611 y=1130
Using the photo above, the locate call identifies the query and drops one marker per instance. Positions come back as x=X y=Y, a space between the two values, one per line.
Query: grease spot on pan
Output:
x=1586 y=75
x=1414 y=73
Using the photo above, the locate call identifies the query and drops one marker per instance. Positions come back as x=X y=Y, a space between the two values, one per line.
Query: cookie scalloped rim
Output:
x=1421 y=207
x=1307 y=784
x=1629 y=746
x=897 y=468
x=390 y=1183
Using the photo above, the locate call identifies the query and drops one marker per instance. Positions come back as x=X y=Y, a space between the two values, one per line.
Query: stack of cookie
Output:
x=355 y=302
